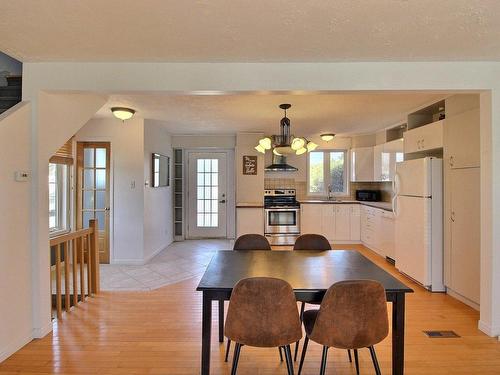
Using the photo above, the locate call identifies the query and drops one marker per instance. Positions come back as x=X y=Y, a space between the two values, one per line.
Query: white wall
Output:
x=15 y=251
x=158 y=204
x=234 y=77
x=127 y=169
x=204 y=141
x=249 y=188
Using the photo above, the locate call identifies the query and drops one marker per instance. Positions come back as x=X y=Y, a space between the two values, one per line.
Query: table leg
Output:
x=398 y=334
x=221 y=320
x=206 y=326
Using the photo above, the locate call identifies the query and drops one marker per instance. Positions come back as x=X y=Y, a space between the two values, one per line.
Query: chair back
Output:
x=263 y=313
x=352 y=315
x=251 y=242
x=312 y=242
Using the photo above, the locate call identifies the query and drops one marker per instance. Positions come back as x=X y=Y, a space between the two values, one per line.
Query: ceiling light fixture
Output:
x=327 y=137
x=285 y=143
x=123 y=113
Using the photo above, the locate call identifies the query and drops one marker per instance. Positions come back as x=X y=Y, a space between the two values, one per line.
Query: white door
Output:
x=207 y=195
x=413 y=238
x=413 y=178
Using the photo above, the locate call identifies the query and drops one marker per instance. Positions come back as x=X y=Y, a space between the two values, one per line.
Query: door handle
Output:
x=222 y=201
x=106 y=209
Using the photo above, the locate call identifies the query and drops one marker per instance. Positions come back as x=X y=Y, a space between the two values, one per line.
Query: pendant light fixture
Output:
x=285 y=143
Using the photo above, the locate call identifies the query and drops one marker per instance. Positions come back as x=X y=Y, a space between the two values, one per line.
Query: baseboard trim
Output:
x=488 y=329
x=140 y=262
x=15 y=345
x=38 y=333
x=462 y=299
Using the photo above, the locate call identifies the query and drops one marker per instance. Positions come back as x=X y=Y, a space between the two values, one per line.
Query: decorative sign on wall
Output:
x=250 y=165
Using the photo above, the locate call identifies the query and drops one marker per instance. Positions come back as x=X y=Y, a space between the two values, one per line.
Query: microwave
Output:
x=368 y=195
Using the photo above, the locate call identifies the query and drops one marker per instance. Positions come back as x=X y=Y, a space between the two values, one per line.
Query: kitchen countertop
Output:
x=387 y=206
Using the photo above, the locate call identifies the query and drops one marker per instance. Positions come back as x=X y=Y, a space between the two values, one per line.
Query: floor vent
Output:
x=441 y=334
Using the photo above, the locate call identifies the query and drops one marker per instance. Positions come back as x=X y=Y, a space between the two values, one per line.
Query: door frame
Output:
x=230 y=191
x=111 y=187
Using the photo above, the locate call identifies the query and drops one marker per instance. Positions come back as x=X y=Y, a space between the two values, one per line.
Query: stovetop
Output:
x=280 y=198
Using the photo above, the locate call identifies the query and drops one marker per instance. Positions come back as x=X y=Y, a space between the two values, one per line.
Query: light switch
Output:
x=22 y=176
x=132 y=185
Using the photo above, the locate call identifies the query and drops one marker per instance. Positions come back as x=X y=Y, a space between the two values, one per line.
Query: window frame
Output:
x=63 y=200
x=326 y=173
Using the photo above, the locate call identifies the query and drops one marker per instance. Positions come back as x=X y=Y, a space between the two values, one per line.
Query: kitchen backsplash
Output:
x=301 y=187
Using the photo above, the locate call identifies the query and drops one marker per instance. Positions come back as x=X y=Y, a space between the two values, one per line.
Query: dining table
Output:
x=310 y=273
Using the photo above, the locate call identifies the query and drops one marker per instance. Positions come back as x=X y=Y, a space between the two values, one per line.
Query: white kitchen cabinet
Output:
x=362 y=164
x=464 y=233
x=427 y=137
x=355 y=222
x=387 y=232
x=461 y=146
x=374 y=231
x=342 y=222
x=249 y=220
x=395 y=149
x=310 y=218
x=381 y=161
x=328 y=221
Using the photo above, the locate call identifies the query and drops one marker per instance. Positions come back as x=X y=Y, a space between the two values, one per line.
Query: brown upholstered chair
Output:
x=251 y=242
x=263 y=313
x=352 y=315
x=310 y=242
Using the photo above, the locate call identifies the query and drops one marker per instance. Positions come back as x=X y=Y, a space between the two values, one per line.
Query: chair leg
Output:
x=302 y=307
x=323 y=361
x=303 y=355
x=288 y=357
x=236 y=357
x=348 y=353
x=356 y=362
x=228 y=347
x=281 y=354
x=375 y=361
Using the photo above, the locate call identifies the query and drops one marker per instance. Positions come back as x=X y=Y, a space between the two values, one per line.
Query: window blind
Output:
x=64 y=155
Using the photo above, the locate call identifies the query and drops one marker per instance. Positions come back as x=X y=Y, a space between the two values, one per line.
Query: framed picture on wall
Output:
x=249 y=165
x=160 y=174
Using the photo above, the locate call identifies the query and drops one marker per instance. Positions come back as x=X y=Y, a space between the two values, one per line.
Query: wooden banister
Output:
x=69 y=249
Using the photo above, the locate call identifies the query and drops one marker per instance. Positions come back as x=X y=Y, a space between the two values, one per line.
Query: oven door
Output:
x=282 y=220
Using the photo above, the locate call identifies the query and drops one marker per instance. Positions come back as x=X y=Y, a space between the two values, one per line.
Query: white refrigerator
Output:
x=418 y=210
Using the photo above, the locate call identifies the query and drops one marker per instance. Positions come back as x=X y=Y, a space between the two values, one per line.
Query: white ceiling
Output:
x=311 y=113
x=252 y=30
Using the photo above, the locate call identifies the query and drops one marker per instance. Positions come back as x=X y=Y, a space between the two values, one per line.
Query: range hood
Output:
x=280 y=165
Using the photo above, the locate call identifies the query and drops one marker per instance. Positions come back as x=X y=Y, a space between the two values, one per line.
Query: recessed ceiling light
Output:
x=123 y=113
x=327 y=137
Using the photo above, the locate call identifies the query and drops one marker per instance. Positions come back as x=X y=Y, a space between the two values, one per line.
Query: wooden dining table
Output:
x=310 y=273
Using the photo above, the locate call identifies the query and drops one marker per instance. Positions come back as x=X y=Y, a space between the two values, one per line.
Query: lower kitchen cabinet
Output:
x=355 y=222
x=377 y=230
x=342 y=222
x=337 y=222
x=249 y=220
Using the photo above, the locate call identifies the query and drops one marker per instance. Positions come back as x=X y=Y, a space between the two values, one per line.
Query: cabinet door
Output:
x=310 y=218
x=327 y=221
x=378 y=236
x=462 y=139
x=424 y=138
x=387 y=245
x=380 y=163
x=355 y=221
x=362 y=164
x=342 y=222
x=465 y=232
x=395 y=149
x=249 y=220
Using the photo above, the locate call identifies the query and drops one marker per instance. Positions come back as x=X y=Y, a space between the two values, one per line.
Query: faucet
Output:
x=330 y=196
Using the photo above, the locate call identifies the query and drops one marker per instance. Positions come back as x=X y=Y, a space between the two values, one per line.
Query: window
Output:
x=58 y=197
x=327 y=170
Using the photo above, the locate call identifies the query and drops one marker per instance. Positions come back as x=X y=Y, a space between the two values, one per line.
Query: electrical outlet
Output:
x=22 y=176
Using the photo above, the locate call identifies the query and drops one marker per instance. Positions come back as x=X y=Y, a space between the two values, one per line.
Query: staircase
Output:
x=10 y=95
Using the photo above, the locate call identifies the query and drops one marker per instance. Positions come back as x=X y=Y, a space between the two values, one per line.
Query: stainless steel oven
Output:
x=282 y=216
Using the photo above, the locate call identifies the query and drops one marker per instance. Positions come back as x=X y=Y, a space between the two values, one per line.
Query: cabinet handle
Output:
x=452 y=217
x=422 y=142
x=418 y=145
x=451 y=161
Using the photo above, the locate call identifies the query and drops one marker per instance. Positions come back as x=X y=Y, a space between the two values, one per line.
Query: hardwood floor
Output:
x=159 y=331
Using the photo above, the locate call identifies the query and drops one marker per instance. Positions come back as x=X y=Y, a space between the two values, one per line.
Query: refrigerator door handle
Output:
x=395 y=206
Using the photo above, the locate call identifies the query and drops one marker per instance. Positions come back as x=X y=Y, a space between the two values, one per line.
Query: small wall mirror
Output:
x=161 y=170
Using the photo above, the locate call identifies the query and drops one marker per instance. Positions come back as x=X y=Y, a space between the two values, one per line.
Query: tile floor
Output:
x=178 y=262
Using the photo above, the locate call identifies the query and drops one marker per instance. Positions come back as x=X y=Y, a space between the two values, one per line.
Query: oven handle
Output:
x=281 y=209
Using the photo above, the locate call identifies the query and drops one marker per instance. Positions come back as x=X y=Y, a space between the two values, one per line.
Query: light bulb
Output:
x=265 y=143
x=311 y=146
x=260 y=149
x=297 y=144
x=276 y=152
x=300 y=151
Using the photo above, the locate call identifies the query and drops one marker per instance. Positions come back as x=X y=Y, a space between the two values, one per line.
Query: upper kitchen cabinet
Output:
x=424 y=138
x=385 y=157
x=362 y=164
x=461 y=146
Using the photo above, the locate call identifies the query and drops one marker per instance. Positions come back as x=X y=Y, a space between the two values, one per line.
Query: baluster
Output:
x=82 y=271
x=75 y=278
x=66 y=277
x=89 y=267
x=58 y=281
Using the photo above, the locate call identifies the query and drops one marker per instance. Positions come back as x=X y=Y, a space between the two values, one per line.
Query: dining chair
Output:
x=263 y=313
x=251 y=241
x=310 y=242
x=352 y=315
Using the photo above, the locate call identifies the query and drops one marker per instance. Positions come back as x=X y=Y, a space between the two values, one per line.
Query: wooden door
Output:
x=465 y=232
x=93 y=191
